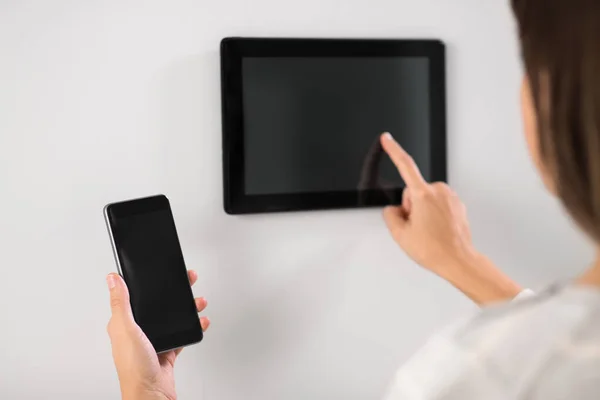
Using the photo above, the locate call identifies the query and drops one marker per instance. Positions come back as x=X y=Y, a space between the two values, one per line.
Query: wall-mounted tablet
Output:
x=302 y=118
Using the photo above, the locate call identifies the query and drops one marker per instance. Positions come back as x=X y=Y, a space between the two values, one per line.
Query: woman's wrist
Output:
x=140 y=393
x=479 y=279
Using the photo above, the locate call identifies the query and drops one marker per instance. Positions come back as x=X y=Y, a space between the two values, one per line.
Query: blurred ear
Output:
x=532 y=131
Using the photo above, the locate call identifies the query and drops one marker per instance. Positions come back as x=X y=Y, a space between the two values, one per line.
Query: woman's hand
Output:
x=431 y=227
x=142 y=373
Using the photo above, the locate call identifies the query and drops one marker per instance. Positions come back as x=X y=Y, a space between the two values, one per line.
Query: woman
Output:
x=541 y=347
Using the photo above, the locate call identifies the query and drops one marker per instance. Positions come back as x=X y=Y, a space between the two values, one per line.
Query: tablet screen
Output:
x=311 y=123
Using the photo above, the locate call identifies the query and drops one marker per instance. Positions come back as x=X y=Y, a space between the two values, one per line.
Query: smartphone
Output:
x=149 y=258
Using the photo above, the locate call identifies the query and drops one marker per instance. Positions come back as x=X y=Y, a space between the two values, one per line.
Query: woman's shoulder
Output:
x=563 y=306
x=553 y=334
x=554 y=314
x=542 y=347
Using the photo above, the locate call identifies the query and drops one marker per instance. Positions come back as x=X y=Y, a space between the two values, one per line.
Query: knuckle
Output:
x=110 y=327
x=388 y=212
x=442 y=187
x=115 y=302
x=409 y=160
x=425 y=193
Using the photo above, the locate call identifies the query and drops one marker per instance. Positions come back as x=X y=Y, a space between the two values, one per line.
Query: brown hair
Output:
x=560 y=42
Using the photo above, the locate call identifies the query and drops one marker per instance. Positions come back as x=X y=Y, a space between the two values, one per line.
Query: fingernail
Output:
x=388 y=136
x=111 y=281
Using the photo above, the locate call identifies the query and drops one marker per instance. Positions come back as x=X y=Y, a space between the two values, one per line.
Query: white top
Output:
x=542 y=347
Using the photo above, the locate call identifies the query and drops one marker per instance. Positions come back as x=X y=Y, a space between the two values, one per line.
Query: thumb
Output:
x=119 y=297
x=395 y=219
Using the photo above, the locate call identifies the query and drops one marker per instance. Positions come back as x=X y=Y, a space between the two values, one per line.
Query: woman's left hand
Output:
x=143 y=374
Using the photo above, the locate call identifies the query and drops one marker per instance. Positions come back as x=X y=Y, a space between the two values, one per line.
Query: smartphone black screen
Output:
x=151 y=261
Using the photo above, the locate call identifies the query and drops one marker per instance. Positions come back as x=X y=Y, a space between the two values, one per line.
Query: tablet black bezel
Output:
x=233 y=50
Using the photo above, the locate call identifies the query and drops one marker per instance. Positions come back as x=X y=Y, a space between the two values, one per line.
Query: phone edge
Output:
x=182 y=347
x=112 y=239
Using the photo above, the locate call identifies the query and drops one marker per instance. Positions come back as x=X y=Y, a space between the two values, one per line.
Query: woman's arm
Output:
x=431 y=226
x=480 y=280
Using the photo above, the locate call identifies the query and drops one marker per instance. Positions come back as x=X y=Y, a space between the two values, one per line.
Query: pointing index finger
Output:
x=403 y=161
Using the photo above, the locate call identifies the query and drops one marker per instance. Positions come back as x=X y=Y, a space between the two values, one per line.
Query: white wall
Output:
x=106 y=100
